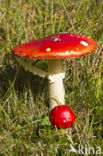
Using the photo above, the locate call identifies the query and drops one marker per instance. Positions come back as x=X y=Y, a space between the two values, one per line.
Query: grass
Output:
x=24 y=125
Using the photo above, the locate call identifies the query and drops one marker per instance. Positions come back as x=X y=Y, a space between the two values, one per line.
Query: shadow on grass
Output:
x=14 y=76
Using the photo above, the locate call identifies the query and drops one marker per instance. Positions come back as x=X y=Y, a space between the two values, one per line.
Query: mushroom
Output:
x=62 y=116
x=55 y=48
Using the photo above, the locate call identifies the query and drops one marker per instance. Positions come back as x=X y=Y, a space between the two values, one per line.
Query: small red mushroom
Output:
x=54 y=48
x=62 y=116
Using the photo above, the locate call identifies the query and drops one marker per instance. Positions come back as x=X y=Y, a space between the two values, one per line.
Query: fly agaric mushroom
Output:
x=54 y=48
x=61 y=116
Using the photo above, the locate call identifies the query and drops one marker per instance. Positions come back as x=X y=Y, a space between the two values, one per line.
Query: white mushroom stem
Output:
x=29 y=67
x=56 y=86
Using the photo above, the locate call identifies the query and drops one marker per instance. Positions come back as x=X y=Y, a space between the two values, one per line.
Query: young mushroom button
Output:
x=54 y=48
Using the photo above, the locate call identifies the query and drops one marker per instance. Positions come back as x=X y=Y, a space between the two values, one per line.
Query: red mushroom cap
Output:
x=57 y=46
x=62 y=116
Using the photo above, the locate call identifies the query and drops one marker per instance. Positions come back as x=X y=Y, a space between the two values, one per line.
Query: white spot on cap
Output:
x=57 y=39
x=78 y=36
x=64 y=121
x=48 y=49
x=72 y=35
x=20 y=54
x=84 y=43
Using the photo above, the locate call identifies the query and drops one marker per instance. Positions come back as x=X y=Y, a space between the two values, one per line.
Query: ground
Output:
x=24 y=124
